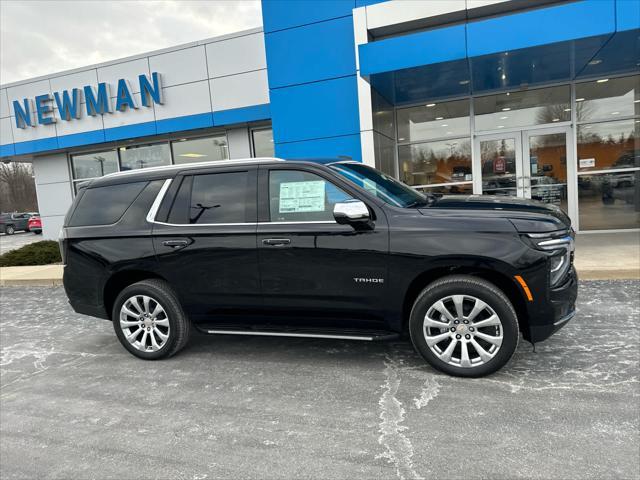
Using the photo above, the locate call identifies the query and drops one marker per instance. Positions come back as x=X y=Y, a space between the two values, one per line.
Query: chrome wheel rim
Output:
x=463 y=331
x=145 y=323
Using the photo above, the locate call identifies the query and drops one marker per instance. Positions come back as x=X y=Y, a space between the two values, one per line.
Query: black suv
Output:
x=303 y=249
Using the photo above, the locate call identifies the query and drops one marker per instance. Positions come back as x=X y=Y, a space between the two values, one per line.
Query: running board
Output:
x=367 y=336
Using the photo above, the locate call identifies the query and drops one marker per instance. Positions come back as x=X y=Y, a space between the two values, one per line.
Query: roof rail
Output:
x=195 y=165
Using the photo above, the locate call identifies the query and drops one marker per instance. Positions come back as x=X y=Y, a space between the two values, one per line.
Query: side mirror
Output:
x=353 y=212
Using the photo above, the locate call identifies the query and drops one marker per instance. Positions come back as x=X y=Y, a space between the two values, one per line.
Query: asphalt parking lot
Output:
x=17 y=240
x=74 y=404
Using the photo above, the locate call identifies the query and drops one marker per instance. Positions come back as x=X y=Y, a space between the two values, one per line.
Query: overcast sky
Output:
x=42 y=37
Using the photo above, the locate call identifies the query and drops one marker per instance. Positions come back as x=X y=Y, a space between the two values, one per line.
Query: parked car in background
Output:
x=14 y=222
x=35 y=224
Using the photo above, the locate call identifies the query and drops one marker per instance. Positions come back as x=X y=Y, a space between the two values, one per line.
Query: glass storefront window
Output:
x=458 y=189
x=263 y=143
x=607 y=99
x=520 y=109
x=97 y=164
x=433 y=120
x=145 y=156
x=385 y=154
x=446 y=161
x=609 y=200
x=609 y=145
x=200 y=149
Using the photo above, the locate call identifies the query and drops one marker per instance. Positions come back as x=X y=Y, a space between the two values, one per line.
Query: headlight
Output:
x=560 y=250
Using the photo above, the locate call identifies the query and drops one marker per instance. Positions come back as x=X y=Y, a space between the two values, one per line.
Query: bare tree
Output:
x=17 y=188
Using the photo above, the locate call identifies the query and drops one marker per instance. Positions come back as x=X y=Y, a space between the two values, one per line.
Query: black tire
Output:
x=9 y=230
x=179 y=324
x=482 y=290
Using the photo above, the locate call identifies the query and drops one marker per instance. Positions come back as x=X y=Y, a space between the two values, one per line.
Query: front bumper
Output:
x=559 y=308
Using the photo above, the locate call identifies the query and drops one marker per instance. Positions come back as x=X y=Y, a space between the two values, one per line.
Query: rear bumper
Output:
x=560 y=308
x=80 y=292
x=91 y=310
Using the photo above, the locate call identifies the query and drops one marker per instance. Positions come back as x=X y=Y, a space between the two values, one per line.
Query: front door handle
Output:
x=276 y=242
x=176 y=243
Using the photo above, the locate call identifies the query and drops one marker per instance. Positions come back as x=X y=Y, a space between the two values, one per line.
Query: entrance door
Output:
x=527 y=164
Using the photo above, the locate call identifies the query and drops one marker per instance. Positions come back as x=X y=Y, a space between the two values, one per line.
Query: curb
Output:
x=603 y=274
x=36 y=282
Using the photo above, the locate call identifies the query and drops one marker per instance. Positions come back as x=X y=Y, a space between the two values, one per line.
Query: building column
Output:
x=54 y=191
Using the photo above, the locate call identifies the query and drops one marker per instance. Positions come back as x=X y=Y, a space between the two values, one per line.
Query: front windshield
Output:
x=386 y=188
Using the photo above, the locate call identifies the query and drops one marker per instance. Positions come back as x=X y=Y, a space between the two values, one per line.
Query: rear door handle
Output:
x=176 y=243
x=276 y=242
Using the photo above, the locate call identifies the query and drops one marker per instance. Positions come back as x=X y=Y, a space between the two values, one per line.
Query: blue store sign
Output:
x=97 y=101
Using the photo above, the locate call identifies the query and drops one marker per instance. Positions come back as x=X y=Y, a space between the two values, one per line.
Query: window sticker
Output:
x=302 y=197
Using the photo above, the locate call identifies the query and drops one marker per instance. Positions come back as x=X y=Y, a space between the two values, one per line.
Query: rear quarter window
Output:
x=105 y=205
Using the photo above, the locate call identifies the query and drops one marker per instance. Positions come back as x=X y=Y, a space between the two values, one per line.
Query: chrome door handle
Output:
x=175 y=243
x=276 y=242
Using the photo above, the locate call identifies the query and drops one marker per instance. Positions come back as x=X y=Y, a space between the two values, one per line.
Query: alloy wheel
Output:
x=145 y=323
x=463 y=331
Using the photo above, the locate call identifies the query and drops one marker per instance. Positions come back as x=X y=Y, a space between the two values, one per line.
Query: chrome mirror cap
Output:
x=351 y=211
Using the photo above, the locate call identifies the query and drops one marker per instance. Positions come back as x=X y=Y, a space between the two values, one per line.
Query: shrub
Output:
x=38 y=253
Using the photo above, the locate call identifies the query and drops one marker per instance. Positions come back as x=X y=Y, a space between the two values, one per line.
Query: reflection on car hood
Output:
x=499 y=203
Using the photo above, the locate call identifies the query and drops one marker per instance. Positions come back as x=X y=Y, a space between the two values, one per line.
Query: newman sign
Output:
x=97 y=101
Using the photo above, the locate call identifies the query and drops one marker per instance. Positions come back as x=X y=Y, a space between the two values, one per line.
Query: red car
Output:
x=35 y=224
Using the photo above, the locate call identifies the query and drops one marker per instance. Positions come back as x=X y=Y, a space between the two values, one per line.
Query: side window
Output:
x=297 y=196
x=215 y=198
x=105 y=205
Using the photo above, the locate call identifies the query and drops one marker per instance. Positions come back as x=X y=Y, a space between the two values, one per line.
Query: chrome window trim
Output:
x=311 y=222
x=153 y=211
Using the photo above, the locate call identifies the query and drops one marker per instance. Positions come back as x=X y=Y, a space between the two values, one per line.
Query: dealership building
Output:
x=536 y=98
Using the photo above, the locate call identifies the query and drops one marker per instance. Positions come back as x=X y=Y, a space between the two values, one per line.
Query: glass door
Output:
x=545 y=168
x=500 y=164
x=527 y=164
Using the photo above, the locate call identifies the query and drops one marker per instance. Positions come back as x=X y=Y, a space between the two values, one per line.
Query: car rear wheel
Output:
x=149 y=320
x=464 y=326
x=10 y=230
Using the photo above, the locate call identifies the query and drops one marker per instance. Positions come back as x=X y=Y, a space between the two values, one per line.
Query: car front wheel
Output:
x=149 y=320
x=10 y=230
x=464 y=326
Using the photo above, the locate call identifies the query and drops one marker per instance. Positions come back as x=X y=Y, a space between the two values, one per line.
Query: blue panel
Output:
x=364 y=3
x=188 y=122
x=281 y=14
x=242 y=115
x=424 y=48
x=627 y=15
x=130 y=131
x=33 y=146
x=84 y=138
x=315 y=110
x=348 y=145
x=541 y=26
x=7 y=150
x=314 y=52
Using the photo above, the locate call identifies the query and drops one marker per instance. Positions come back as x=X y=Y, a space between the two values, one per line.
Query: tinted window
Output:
x=218 y=198
x=105 y=205
x=297 y=196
